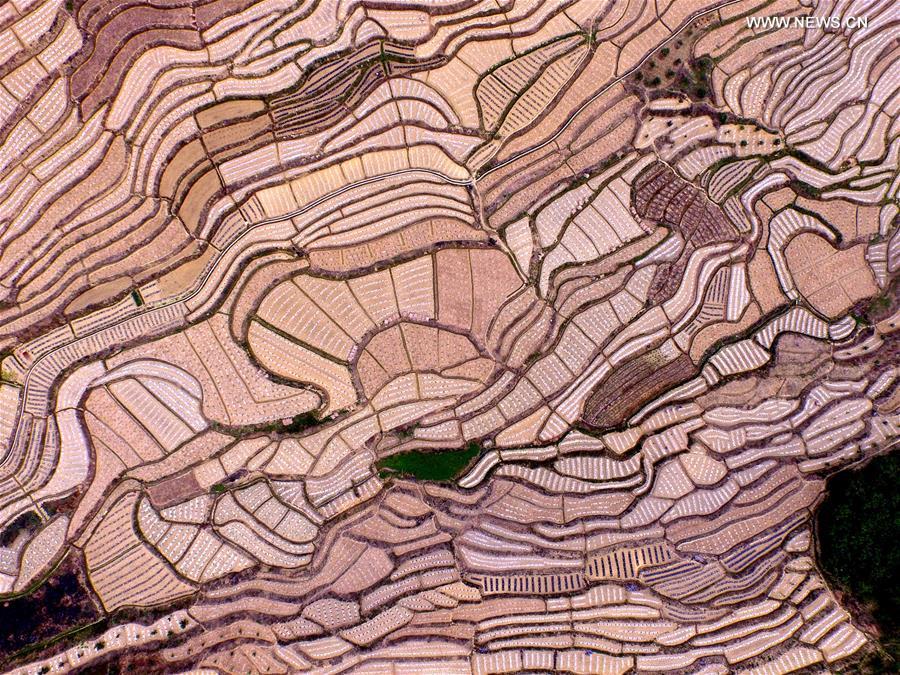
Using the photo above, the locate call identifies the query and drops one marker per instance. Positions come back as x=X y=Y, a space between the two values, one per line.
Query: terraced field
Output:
x=446 y=336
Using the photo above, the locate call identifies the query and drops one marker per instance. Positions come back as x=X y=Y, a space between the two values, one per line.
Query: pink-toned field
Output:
x=621 y=276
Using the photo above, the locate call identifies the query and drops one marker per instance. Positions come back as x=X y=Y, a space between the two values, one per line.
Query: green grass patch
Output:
x=438 y=466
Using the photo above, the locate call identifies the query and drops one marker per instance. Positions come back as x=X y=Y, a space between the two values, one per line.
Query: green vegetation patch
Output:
x=298 y=424
x=858 y=530
x=58 y=609
x=444 y=465
x=874 y=310
x=673 y=69
x=29 y=522
x=882 y=306
x=806 y=190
